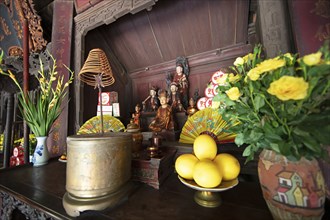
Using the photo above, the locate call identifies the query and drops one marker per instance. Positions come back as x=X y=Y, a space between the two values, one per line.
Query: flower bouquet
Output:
x=280 y=109
x=280 y=103
x=41 y=111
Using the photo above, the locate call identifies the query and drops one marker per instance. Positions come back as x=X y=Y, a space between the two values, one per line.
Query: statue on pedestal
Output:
x=180 y=78
x=175 y=98
x=192 y=109
x=136 y=115
x=153 y=103
x=164 y=117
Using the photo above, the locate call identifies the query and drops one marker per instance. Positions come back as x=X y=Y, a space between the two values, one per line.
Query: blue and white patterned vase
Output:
x=40 y=155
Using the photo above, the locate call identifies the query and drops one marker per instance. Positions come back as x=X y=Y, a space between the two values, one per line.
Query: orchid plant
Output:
x=40 y=113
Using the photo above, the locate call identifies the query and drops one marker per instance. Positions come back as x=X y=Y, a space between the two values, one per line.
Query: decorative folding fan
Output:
x=93 y=125
x=206 y=121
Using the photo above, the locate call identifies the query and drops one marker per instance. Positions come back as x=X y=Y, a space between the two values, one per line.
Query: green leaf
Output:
x=259 y=102
x=321 y=133
x=218 y=97
x=285 y=148
x=229 y=102
x=300 y=132
x=239 y=139
x=311 y=144
x=255 y=135
x=307 y=140
x=273 y=137
x=275 y=147
x=319 y=70
x=247 y=151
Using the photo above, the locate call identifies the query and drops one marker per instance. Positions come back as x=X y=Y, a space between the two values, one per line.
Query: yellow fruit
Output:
x=184 y=165
x=207 y=174
x=205 y=147
x=228 y=165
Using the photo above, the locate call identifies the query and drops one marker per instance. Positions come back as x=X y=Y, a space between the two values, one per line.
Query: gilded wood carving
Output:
x=13 y=14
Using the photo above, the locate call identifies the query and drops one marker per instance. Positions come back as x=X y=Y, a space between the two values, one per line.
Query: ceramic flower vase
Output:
x=292 y=190
x=40 y=155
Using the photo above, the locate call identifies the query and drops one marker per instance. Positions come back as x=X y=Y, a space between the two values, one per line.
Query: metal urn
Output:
x=98 y=171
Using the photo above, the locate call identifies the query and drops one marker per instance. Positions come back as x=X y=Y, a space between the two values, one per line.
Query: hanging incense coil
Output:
x=96 y=63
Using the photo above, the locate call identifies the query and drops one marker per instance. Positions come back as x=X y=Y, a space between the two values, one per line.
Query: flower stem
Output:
x=283 y=122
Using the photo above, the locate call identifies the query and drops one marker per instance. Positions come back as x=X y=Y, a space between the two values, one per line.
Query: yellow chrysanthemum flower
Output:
x=289 y=88
x=254 y=74
x=222 y=80
x=270 y=65
x=312 y=59
x=233 y=93
x=248 y=57
x=239 y=61
x=290 y=57
x=234 y=78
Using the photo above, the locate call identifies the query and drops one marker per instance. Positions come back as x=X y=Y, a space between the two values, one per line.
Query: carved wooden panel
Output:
x=82 y=5
x=10 y=203
x=104 y=12
x=12 y=16
x=210 y=33
x=174 y=28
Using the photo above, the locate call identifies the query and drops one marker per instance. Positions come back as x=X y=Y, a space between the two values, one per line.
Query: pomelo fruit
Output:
x=184 y=165
x=205 y=147
x=228 y=165
x=207 y=174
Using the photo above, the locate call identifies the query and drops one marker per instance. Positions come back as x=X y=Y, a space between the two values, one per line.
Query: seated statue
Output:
x=192 y=109
x=164 y=117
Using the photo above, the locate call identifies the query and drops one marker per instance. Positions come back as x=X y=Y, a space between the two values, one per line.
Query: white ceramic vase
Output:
x=40 y=155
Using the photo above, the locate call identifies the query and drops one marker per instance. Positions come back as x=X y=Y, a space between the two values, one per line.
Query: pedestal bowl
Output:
x=209 y=197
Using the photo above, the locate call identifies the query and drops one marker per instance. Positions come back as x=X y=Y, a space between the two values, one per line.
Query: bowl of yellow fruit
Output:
x=207 y=171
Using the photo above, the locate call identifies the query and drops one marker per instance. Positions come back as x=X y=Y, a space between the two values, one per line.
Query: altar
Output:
x=37 y=193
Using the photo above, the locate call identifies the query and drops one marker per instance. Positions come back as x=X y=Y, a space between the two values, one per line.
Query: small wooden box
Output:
x=153 y=171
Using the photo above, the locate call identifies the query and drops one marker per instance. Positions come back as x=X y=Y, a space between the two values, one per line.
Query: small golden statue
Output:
x=164 y=116
x=192 y=108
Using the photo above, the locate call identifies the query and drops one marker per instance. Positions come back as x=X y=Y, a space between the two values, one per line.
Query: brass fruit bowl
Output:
x=209 y=197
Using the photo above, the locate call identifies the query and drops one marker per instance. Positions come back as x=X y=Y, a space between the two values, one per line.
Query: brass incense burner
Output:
x=98 y=165
x=98 y=171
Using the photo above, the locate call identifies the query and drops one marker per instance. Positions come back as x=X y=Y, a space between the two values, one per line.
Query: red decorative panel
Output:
x=61 y=50
x=311 y=24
